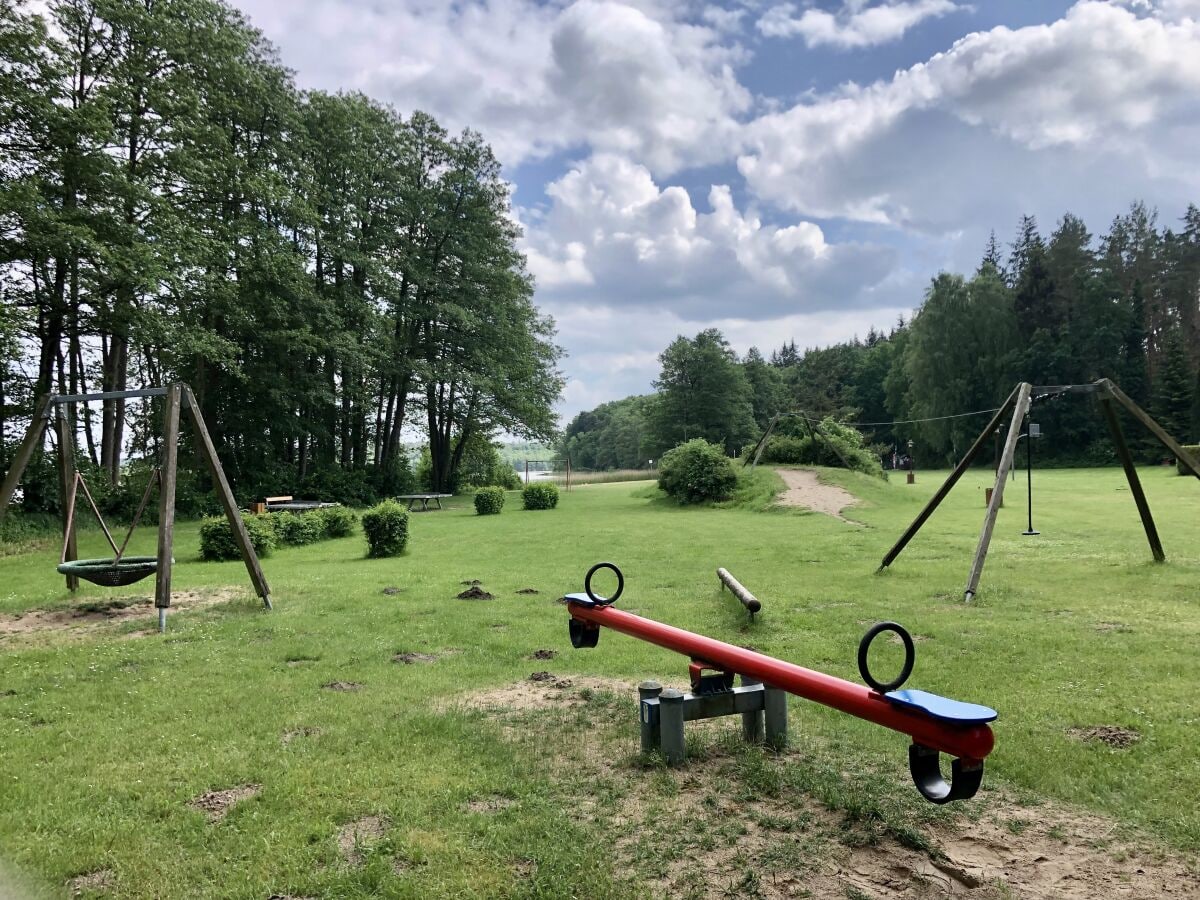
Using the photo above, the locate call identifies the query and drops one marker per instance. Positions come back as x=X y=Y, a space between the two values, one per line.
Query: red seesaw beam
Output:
x=970 y=743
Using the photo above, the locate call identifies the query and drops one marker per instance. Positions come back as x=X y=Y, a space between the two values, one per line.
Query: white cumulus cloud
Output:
x=856 y=25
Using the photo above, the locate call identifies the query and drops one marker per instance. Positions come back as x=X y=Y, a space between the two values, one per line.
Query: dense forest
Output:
x=331 y=277
x=1063 y=309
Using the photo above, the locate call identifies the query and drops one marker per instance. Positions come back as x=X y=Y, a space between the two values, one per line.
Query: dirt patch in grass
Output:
x=302 y=732
x=472 y=583
x=92 y=882
x=1111 y=627
x=806 y=490
x=528 y=591
x=357 y=837
x=343 y=686
x=217 y=804
x=488 y=805
x=392 y=591
x=475 y=592
x=1114 y=736
x=409 y=658
x=527 y=696
x=543 y=654
x=88 y=617
x=744 y=822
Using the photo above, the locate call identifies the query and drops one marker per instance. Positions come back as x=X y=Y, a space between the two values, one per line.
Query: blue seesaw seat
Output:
x=954 y=712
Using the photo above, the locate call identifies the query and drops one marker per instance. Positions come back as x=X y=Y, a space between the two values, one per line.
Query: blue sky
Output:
x=781 y=170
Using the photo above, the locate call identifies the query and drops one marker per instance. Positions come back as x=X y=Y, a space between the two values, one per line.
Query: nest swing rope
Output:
x=121 y=570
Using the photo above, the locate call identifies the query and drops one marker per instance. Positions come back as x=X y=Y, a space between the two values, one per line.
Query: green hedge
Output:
x=541 y=495
x=336 y=521
x=296 y=530
x=1193 y=451
x=697 y=472
x=489 y=501
x=217 y=543
x=386 y=529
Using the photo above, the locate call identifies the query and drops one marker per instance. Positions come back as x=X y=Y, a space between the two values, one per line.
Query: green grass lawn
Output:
x=107 y=739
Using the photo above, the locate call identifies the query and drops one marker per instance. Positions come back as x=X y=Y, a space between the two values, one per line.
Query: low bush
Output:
x=833 y=445
x=697 y=472
x=489 y=501
x=296 y=530
x=1193 y=450
x=217 y=543
x=540 y=495
x=336 y=521
x=386 y=529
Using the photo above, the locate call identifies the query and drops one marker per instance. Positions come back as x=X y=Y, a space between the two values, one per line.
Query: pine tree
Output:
x=1174 y=389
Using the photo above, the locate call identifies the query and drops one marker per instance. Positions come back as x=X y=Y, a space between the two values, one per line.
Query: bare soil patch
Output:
x=472 y=583
x=527 y=696
x=217 y=804
x=355 y=838
x=344 y=686
x=528 y=591
x=92 y=615
x=716 y=835
x=475 y=592
x=806 y=490
x=1114 y=736
x=488 y=805
x=543 y=654
x=100 y=880
x=301 y=732
x=392 y=591
x=409 y=658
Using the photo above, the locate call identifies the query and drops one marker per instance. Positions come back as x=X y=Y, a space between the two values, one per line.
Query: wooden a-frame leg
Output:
x=1135 y=484
x=31 y=441
x=1020 y=410
x=166 y=505
x=66 y=469
x=228 y=503
x=1189 y=462
x=948 y=484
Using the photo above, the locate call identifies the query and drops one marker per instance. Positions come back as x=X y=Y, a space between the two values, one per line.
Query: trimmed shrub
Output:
x=697 y=472
x=813 y=449
x=386 y=528
x=1193 y=451
x=336 y=521
x=540 y=495
x=489 y=501
x=296 y=530
x=217 y=543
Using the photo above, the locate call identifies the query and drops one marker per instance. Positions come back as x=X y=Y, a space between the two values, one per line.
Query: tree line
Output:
x=1064 y=309
x=328 y=274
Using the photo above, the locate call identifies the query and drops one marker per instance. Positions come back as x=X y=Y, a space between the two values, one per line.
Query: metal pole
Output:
x=1029 y=480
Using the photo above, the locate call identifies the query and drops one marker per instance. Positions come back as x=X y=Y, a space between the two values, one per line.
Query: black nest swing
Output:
x=120 y=570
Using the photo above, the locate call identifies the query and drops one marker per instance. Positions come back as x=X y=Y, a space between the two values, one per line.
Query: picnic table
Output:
x=287 y=504
x=424 y=500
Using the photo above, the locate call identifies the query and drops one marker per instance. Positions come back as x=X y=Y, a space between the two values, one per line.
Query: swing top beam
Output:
x=67 y=399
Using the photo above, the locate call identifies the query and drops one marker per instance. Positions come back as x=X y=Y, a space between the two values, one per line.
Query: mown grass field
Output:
x=106 y=739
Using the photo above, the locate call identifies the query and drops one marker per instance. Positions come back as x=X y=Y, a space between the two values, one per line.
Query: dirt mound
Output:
x=806 y=490
x=344 y=686
x=217 y=804
x=409 y=658
x=92 y=882
x=528 y=591
x=1110 y=735
x=475 y=593
x=543 y=654
x=301 y=732
x=392 y=591
x=488 y=805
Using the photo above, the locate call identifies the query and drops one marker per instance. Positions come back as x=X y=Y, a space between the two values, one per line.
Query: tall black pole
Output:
x=1029 y=476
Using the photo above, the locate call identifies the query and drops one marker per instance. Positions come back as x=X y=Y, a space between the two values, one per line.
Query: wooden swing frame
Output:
x=177 y=396
x=1019 y=403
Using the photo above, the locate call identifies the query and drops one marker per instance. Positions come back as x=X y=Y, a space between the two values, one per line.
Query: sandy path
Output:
x=806 y=490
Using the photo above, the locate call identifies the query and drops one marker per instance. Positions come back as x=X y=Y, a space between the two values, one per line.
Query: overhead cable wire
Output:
x=978 y=412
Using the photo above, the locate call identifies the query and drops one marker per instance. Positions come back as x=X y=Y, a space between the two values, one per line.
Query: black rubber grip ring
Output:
x=864 y=647
x=587 y=584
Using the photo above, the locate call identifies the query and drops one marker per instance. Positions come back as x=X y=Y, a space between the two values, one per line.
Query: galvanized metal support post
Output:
x=648 y=715
x=752 y=722
x=670 y=720
x=775 y=708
